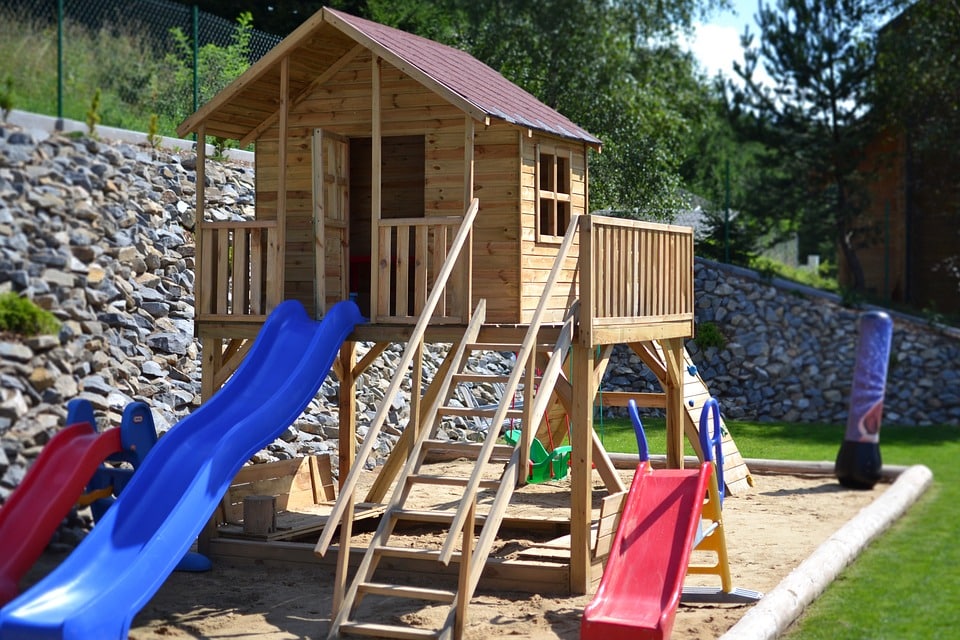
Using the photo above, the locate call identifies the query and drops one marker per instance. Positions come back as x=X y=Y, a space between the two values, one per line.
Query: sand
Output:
x=770 y=530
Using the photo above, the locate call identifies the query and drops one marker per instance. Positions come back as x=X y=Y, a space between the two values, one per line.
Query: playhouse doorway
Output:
x=402 y=189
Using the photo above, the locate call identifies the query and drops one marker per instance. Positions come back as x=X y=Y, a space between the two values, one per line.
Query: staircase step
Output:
x=468 y=449
x=409 y=553
x=470 y=412
x=503 y=347
x=403 y=591
x=450 y=481
x=431 y=517
x=491 y=378
x=375 y=630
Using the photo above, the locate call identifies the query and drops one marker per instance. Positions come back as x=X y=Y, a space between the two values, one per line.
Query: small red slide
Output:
x=50 y=488
x=643 y=580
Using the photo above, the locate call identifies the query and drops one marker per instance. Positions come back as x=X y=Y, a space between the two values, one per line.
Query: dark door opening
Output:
x=402 y=196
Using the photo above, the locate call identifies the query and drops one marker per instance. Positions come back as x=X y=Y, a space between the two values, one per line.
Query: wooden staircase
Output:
x=463 y=546
x=418 y=441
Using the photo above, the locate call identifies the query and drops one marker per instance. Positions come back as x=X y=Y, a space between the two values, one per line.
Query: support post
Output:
x=276 y=292
x=376 y=193
x=673 y=356
x=347 y=447
x=581 y=481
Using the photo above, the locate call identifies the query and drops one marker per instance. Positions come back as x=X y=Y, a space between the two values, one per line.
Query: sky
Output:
x=717 y=43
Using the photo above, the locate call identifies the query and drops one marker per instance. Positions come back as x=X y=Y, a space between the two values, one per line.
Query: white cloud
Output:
x=716 y=47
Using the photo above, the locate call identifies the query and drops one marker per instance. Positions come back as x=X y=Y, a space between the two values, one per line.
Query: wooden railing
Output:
x=636 y=280
x=237 y=277
x=410 y=253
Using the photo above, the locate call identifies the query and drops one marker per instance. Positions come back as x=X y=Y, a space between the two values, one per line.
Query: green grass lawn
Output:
x=905 y=584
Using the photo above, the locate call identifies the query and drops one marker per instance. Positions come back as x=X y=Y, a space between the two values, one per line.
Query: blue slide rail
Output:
x=113 y=573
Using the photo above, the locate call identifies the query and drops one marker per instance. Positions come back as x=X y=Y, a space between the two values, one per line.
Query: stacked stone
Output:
x=99 y=235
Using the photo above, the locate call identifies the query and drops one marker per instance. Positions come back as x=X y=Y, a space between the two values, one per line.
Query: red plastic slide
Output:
x=50 y=488
x=642 y=582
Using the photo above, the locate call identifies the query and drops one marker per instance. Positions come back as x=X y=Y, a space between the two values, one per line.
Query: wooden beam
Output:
x=347 y=434
x=319 y=226
x=466 y=260
x=622 y=399
x=648 y=353
x=199 y=213
x=376 y=186
x=372 y=354
x=581 y=480
x=276 y=292
x=673 y=354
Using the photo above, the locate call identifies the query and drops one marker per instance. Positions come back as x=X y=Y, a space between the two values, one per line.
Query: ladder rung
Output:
x=470 y=412
x=403 y=591
x=376 y=630
x=468 y=449
x=450 y=481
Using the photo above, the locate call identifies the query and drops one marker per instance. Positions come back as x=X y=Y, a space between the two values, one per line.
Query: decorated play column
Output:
x=858 y=462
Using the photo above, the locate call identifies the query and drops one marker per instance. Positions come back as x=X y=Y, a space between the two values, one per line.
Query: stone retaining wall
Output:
x=789 y=354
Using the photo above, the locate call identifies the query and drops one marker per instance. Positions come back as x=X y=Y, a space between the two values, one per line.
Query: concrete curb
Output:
x=783 y=605
x=41 y=126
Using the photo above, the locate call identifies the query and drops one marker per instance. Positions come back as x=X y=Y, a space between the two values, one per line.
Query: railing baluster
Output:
x=439 y=257
x=420 y=269
x=402 y=290
x=208 y=291
x=223 y=271
x=240 y=272
x=256 y=271
x=384 y=272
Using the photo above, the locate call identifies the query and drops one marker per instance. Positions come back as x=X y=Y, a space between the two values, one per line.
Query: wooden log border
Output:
x=779 y=608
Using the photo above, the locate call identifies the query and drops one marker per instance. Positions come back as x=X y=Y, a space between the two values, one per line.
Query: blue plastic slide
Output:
x=110 y=576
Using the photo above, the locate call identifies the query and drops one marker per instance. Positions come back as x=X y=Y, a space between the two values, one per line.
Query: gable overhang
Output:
x=329 y=40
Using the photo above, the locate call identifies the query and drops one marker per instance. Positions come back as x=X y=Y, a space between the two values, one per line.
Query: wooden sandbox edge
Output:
x=779 y=608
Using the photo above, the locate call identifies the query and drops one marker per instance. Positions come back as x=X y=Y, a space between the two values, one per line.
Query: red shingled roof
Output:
x=464 y=75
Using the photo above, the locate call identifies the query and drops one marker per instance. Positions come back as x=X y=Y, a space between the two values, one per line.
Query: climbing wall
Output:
x=695 y=394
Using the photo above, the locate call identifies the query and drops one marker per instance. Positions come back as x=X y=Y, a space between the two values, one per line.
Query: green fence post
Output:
x=59 y=124
x=196 y=61
x=196 y=58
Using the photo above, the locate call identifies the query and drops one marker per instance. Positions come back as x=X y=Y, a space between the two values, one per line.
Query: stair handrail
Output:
x=416 y=337
x=523 y=355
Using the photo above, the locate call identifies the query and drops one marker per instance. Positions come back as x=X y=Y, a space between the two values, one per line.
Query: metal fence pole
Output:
x=59 y=124
x=196 y=58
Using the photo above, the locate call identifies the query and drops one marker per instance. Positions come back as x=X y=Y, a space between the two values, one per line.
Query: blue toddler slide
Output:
x=110 y=576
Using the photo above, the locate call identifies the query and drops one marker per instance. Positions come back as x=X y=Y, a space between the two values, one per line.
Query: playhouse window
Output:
x=553 y=194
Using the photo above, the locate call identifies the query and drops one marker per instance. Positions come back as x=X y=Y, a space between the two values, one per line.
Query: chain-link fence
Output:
x=120 y=62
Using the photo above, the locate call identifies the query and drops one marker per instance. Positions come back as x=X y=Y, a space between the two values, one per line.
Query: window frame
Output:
x=555 y=192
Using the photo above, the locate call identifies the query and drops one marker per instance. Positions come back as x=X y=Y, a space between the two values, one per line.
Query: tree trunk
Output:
x=855 y=269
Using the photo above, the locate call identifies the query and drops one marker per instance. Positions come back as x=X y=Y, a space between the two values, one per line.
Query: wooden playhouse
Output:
x=453 y=207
